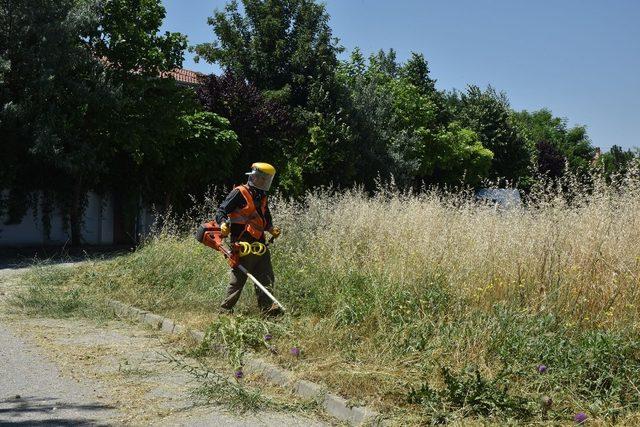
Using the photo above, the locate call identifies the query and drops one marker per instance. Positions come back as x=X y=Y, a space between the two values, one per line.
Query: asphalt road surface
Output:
x=63 y=372
x=33 y=392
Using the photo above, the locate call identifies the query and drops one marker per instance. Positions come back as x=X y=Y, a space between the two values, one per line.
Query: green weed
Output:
x=240 y=334
x=469 y=394
x=213 y=387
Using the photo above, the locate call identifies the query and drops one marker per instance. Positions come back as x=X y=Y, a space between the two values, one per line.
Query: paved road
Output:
x=59 y=372
x=32 y=391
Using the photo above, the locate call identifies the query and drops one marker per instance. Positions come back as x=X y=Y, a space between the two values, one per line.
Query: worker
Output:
x=244 y=216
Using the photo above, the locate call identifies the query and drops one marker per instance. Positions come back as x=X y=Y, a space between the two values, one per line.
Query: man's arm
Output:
x=235 y=200
x=268 y=219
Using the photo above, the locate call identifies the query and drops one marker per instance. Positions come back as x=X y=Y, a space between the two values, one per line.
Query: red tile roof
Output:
x=181 y=75
x=187 y=76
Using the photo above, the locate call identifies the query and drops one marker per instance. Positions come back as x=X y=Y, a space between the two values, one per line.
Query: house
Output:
x=104 y=221
x=186 y=77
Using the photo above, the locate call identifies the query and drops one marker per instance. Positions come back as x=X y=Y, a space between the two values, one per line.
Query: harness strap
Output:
x=242 y=219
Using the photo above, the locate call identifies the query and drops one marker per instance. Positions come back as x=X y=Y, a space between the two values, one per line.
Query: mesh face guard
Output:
x=260 y=180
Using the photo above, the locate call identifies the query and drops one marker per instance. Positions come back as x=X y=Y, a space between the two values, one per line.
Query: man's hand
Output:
x=224 y=229
x=275 y=231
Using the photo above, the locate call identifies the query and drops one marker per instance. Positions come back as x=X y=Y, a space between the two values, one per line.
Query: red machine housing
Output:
x=210 y=235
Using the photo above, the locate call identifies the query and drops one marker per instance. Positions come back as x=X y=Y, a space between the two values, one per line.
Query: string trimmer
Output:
x=210 y=235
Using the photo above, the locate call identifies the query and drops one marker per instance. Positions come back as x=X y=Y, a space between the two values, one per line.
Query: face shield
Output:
x=260 y=180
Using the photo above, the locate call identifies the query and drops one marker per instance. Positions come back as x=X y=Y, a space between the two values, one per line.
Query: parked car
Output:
x=505 y=198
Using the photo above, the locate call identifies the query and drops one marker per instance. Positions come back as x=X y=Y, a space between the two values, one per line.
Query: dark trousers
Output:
x=260 y=267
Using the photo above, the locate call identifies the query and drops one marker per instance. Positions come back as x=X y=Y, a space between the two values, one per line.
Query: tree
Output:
x=167 y=147
x=203 y=154
x=56 y=93
x=264 y=126
x=617 y=162
x=166 y=144
x=127 y=38
x=286 y=49
x=277 y=45
x=85 y=107
x=401 y=123
x=454 y=156
x=416 y=72
x=446 y=153
x=551 y=162
x=489 y=115
x=371 y=111
x=553 y=136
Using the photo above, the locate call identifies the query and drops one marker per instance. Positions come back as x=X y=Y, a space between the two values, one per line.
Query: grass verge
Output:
x=428 y=307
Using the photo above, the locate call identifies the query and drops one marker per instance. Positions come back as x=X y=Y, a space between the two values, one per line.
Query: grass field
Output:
x=429 y=307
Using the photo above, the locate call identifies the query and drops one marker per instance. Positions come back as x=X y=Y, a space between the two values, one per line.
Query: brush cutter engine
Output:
x=210 y=235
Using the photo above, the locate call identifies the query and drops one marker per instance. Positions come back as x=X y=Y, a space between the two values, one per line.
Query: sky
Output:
x=579 y=58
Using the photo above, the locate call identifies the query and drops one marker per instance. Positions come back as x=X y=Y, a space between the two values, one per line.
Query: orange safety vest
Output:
x=248 y=216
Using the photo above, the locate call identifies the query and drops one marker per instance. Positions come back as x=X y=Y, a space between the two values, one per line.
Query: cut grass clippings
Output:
x=51 y=292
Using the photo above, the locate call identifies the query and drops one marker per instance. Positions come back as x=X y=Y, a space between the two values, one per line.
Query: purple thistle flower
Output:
x=268 y=337
x=239 y=374
x=580 y=418
x=542 y=369
x=295 y=351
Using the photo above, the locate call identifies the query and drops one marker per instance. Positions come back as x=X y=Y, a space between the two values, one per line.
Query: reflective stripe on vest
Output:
x=248 y=215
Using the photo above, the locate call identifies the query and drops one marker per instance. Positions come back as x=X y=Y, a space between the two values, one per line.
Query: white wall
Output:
x=28 y=232
x=97 y=227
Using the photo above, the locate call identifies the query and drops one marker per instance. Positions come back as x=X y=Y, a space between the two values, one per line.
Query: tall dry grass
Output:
x=429 y=305
x=581 y=259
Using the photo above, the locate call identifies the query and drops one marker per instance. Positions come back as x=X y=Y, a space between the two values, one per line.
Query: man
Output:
x=245 y=215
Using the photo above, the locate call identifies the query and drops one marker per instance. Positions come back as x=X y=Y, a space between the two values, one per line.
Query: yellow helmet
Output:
x=264 y=167
x=261 y=176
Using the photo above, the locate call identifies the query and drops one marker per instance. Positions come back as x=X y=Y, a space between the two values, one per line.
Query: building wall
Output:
x=97 y=226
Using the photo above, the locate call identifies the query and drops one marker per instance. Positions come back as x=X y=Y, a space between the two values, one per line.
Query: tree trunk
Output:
x=75 y=214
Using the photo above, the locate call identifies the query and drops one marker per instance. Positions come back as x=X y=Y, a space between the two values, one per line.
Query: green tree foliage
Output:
x=84 y=107
x=202 y=156
x=355 y=120
x=617 y=162
x=416 y=72
x=550 y=162
x=278 y=45
x=86 y=103
x=263 y=125
x=370 y=110
x=128 y=38
x=167 y=147
x=56 y=93
x=326 y=153
x=571 y=143
x=488 y=113
x=402 y=118
x=286 y=49
x=455 y=155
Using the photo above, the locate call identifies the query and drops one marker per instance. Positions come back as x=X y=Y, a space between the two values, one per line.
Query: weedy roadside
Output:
x=428 y=306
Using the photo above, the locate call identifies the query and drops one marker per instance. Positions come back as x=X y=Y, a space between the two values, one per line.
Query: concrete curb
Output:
x=335 y=406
